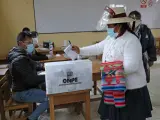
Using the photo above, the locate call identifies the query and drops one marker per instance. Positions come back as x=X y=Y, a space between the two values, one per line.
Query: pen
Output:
x=69 y=42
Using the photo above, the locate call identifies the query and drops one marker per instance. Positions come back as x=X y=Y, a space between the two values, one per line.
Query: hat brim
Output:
x=120 y=20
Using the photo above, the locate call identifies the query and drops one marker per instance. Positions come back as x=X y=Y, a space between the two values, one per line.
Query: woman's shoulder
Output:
x=130 y=40
x=131 y=37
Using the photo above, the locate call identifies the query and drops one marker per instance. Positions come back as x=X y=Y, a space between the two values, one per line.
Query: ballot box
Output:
x=68 y=76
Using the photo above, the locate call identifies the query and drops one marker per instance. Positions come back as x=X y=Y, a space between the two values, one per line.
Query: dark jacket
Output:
x=148 y=42
x=38 y=57
x=148 y=47
x=23 y=70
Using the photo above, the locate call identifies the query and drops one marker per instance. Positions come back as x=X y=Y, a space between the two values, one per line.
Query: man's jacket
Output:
x=148 y=47
x=23 y=70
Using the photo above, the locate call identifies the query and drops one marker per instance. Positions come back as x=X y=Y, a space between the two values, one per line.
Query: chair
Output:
x=7 y=104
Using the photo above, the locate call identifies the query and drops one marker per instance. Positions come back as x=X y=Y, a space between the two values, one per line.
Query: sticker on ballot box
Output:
x=68 y=76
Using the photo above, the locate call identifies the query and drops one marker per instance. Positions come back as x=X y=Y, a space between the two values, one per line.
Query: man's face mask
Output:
x=30 y=48
x=28 y=45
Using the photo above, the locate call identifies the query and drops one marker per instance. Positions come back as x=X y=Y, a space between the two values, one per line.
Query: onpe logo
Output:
x=70 y=79
x=69 y=73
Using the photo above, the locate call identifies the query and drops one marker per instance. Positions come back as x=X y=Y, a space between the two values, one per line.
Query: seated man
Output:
x=34 y=55
x=25 y=81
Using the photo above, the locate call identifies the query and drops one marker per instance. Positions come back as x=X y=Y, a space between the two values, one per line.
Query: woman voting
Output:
x=125 y=93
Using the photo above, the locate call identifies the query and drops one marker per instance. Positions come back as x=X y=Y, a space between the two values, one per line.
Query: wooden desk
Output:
x=56 y=59
x=42 y=51
x=59 y=100
x=96 y=65
x=58 y=50
x=70 y=97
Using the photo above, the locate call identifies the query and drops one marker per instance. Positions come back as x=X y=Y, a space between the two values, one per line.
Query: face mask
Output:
x=35 y=41
x=30 y=48
x=111 y=32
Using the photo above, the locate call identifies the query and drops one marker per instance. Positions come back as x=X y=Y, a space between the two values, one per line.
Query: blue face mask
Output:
x=111 y=32
x=30 y=48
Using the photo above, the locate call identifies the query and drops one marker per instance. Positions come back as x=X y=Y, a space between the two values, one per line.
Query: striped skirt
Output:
x=138 y=106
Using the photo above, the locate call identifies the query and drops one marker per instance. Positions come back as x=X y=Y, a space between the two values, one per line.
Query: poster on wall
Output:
x=146 y=3
x=150 y=3
x=143 y=3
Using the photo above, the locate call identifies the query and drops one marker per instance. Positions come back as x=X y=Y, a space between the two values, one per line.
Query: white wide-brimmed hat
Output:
x=113 y=15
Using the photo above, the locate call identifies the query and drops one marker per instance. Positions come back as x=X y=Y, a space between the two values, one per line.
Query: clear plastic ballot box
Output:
x=68 y=76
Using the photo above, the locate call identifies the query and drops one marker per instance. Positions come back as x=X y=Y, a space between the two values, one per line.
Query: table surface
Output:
x=42 y=50
x=56 y=59
x=56 y=49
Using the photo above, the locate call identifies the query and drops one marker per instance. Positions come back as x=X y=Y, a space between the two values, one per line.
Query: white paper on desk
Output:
x=70 y=53
x=3 y=71
x=3 y=66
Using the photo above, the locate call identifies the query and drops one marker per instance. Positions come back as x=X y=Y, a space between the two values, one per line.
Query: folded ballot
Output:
x=68 y=76
x=70 y=53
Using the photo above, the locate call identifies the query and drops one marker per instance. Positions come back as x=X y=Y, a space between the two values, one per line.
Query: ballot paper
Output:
x=70 y=53
x=68 y=76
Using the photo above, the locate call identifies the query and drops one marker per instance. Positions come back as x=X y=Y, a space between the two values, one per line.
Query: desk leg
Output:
x=95 y=87
x=87 y=106
x=51 y=105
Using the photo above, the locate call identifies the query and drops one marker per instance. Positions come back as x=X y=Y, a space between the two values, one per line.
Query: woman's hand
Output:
x=76 y=49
